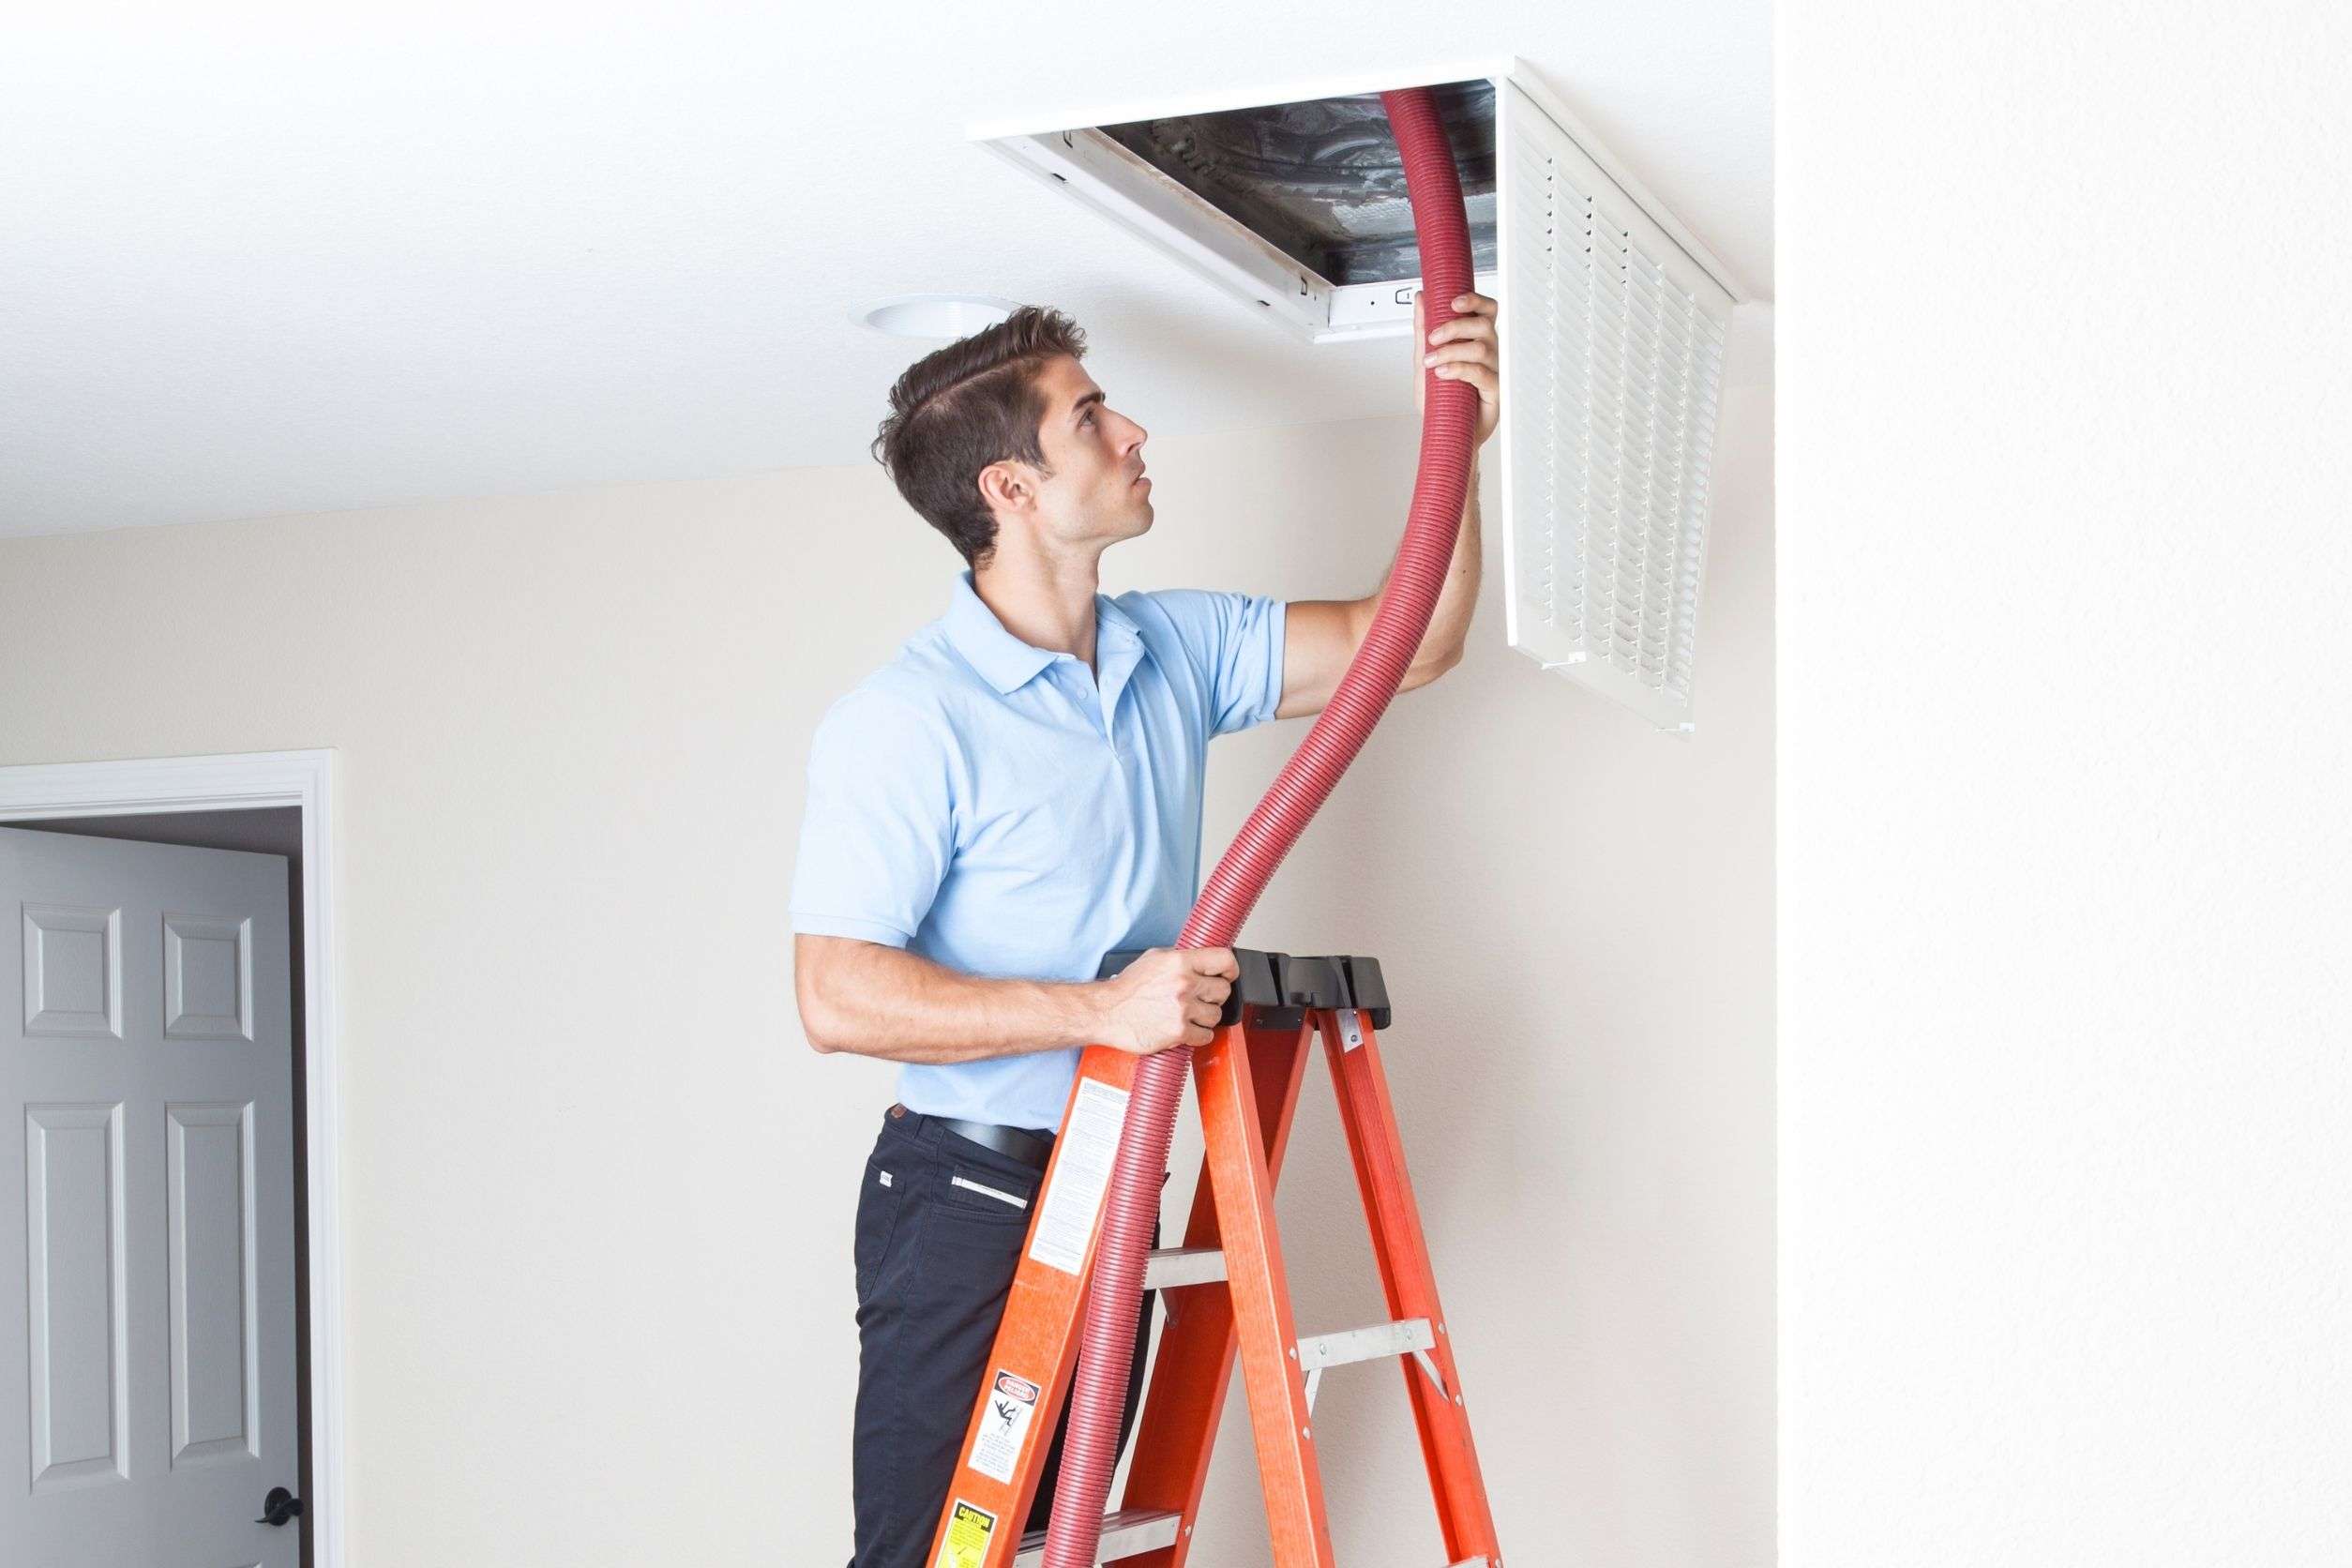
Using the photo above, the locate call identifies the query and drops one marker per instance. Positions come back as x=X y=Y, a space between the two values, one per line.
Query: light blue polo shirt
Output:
x=999 y=809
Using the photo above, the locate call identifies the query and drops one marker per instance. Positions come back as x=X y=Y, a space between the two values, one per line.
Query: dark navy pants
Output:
x=935 y=1258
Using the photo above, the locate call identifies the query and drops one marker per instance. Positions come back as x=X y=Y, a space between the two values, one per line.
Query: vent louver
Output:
x=1613 y=372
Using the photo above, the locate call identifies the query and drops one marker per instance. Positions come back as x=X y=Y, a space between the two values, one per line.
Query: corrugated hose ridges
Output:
x=1448 y=431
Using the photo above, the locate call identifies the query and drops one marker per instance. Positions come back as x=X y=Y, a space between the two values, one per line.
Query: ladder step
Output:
x=1181 y=1265
x=1125 y=1534
x=1317 y=1351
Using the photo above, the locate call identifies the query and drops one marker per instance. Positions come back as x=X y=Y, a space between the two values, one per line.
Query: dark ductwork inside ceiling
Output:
x=1323 y=181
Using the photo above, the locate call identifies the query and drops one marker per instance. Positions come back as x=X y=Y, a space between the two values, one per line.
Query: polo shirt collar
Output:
x=1007 y=663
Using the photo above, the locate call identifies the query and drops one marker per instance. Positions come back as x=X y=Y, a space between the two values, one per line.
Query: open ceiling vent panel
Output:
x=1321 y=181
x=1612 y=322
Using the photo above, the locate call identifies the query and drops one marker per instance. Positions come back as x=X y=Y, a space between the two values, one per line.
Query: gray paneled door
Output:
x=146 y=1206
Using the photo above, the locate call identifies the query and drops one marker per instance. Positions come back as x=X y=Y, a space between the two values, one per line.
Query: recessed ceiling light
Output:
x=934 y=315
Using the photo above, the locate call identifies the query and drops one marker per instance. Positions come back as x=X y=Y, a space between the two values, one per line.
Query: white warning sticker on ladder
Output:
x=996 y=1447
x=1083 y=1155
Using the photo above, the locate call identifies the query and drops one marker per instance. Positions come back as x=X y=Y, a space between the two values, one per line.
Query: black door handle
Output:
x=280 y=1506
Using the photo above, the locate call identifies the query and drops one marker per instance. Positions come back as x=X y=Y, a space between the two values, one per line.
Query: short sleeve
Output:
x=878 y=831
x=1237 y=642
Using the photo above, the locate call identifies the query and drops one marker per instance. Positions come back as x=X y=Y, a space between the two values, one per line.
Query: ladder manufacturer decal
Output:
x=1081 y=1174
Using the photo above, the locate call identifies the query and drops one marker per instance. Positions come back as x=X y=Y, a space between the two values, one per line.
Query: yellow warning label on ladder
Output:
x=967 y=1532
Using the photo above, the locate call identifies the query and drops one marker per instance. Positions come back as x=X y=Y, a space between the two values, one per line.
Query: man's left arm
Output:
x=1320 y=636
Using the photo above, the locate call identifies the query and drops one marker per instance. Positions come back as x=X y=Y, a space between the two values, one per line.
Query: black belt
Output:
x=1030 y=1148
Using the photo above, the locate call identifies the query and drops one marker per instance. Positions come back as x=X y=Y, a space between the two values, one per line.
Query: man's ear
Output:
x=1007 y=486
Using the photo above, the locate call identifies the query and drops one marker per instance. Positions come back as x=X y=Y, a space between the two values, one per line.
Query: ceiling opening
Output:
x=1322 y=180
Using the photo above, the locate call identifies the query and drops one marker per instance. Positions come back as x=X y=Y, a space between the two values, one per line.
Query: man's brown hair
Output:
x=960 y=408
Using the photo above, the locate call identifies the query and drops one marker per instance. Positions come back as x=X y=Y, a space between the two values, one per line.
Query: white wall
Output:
x=2067 y=1200
x=599 y=1191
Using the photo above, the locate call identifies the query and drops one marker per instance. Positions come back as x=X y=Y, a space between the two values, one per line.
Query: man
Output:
x=1014 y=796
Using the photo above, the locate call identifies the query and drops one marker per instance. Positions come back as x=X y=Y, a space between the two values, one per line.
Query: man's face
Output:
x=1097 y=491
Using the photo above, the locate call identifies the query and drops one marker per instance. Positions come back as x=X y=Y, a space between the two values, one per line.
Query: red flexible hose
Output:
x=1448 y=428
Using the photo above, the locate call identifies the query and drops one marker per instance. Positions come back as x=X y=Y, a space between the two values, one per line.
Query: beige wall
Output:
x=599 y=1191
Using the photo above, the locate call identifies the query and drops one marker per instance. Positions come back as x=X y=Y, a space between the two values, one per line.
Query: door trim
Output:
x=249 y=782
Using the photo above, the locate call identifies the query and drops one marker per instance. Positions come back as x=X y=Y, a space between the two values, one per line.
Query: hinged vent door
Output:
x=1613 y=344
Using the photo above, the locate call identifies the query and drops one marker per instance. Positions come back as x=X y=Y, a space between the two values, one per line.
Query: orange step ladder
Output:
x=1223 y=1289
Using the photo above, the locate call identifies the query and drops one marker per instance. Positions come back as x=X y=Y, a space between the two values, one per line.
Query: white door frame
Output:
x=242 y=782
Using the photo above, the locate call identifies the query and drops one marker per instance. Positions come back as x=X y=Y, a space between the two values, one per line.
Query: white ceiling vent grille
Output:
x=1613 y=320
x=1612 y=393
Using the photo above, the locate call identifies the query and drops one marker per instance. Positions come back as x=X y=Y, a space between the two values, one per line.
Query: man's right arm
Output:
x=871 y=1000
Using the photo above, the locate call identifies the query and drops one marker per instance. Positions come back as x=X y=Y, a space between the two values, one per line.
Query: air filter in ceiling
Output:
x=1613 y=320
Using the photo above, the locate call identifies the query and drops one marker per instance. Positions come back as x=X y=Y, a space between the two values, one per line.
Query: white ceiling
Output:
x=261 y=258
